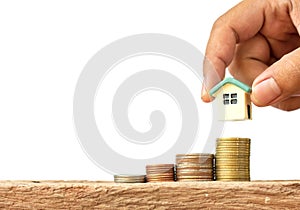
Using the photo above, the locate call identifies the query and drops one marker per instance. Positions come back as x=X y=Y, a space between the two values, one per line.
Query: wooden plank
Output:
x=107 y=195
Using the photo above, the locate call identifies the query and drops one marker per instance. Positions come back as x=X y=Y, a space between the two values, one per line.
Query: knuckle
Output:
x=219 y=22
x=288 y=74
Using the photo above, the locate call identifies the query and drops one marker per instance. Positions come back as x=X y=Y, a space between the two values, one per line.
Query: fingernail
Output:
x=204 y=94
x=265 y=92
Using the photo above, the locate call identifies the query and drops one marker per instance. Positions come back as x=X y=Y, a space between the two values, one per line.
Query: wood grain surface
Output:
x=173 y=195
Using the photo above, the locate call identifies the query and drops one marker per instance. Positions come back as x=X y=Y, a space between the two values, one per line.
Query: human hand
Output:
x=259 y=41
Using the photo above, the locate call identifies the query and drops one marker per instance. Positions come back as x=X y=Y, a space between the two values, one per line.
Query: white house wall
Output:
x=231 y=111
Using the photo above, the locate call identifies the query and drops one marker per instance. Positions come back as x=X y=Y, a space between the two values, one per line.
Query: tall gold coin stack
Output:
x=194 y=167
x=160 y=173
x=233 y=159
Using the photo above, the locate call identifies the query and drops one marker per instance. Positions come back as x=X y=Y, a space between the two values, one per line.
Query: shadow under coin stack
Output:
x=233 y=159
x=194 y=167
x=160 y=173
x=129 y=178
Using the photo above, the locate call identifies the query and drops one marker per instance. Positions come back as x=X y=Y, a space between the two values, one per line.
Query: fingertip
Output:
x=265 y=92
x=205 y=95
x=206 y=99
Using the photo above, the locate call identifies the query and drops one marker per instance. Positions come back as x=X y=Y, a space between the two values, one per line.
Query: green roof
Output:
x=233 y=81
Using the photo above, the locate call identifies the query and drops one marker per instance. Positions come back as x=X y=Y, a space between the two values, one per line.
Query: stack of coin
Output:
x=194 y=167
x=122 y=178
x=160 y=173
x=233 y=159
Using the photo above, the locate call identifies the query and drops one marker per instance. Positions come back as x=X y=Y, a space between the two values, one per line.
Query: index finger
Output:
x=240 y=23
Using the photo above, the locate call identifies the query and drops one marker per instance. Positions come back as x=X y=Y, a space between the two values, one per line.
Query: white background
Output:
x=44 y=46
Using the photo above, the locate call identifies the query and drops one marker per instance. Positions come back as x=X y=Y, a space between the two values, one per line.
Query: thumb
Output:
x=278 y=82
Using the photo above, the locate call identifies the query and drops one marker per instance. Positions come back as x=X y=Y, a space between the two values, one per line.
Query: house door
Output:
x=249 y=111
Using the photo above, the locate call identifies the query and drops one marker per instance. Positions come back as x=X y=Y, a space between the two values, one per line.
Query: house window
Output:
x=226 y=96
x=229 y=98
x=233 y=95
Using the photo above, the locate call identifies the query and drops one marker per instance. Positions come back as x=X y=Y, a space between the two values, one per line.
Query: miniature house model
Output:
x=233 y=100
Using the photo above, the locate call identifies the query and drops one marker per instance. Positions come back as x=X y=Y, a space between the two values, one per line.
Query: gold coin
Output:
x=193 y=180
x=193 y=166
x=233 y=139
x=234 y=180
x=232 y=168
x=160 y=180
x=231 y=162
x=232 y=177
x=122 y=178
x=192 y=155
x=156 y=166
x=231 y=173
